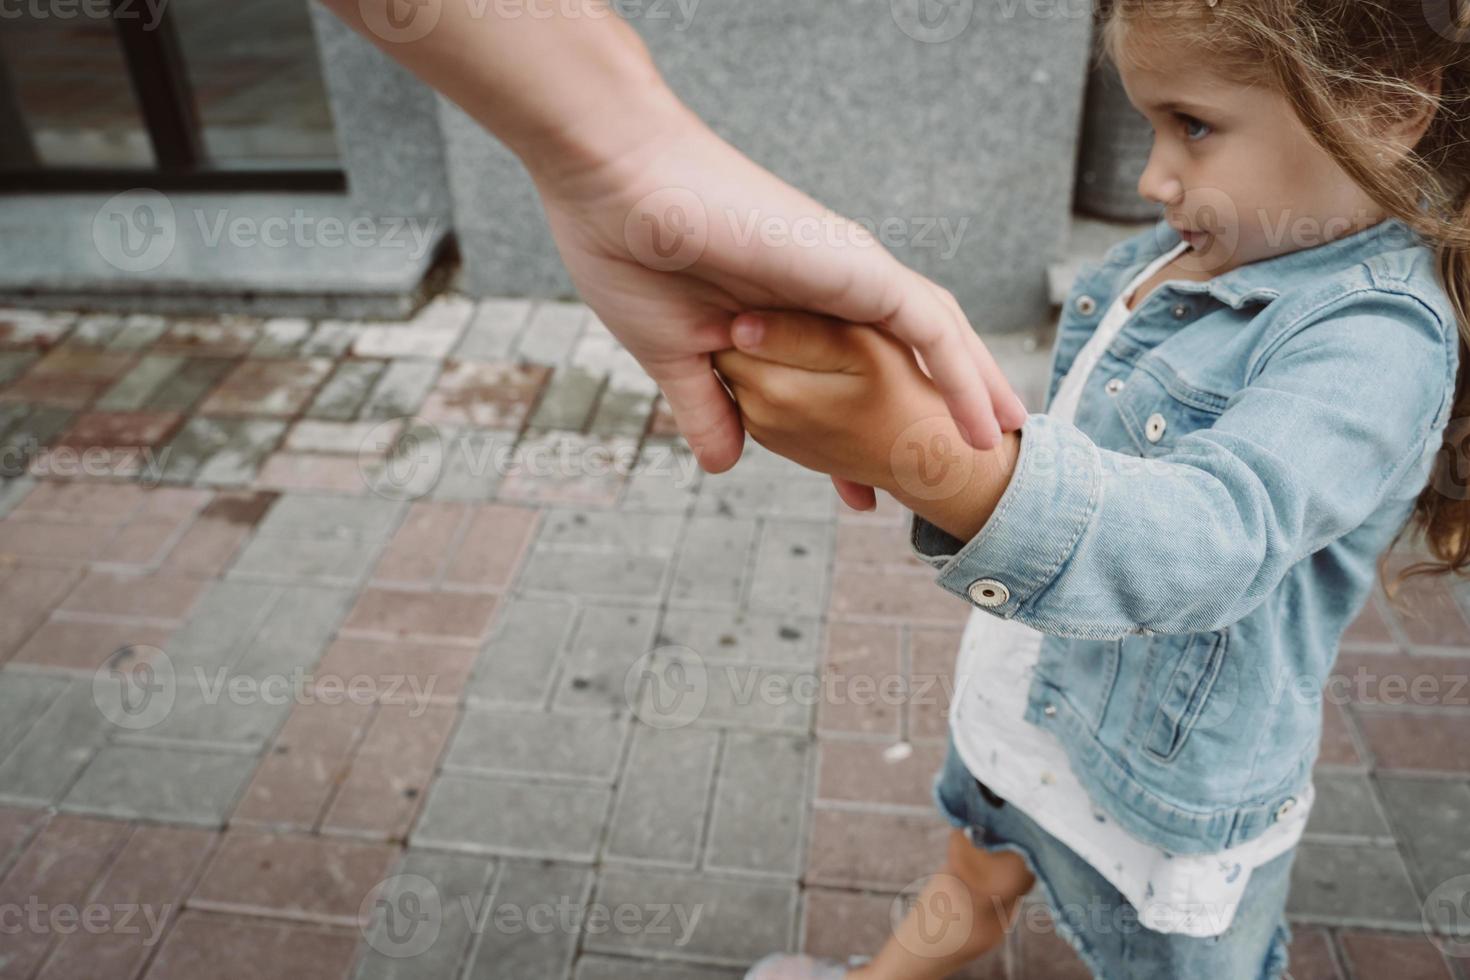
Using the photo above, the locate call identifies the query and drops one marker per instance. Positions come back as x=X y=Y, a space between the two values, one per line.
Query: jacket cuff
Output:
x=1037 y=524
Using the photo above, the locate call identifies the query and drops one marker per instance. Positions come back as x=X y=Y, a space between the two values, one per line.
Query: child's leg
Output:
x=962 y=913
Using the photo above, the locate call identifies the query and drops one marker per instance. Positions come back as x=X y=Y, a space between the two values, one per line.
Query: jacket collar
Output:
x=1265 y=280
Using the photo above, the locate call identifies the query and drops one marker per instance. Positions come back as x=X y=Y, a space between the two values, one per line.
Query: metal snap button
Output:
x=1050 y=710
x=1086 y=305
x=1114 y=386
x=988 y=592
x=1154 y=427
x=1181 y=311
x=1285 y=807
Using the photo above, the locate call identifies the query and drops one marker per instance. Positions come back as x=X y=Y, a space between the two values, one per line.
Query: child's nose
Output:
x=1157 y=184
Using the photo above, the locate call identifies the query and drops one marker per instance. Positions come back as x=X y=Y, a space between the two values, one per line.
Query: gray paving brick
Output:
x=34 y=426
x=630 y=968
x=730 y=694
x=760 y=798
x=537 y=743
x=737 y=634
x=493 y=330
x=1341 y=884
x=281 y=337
x=793 y=562
x=184 y=387
x=517 y=664
x=483 y=814
x=719 y=920
x=297 y=632
x=552 y=332
x=608 y=643
x=583 y=530
x=15 y=363
x=55 y=747
x=1346 y=808
x=742 y=492
x=13 y=491
x=663 y=796
x=331 y=338
x=567 y=401
x=535 y=917
x=324 y=516
x=328 y=561
x=218 y=708
x=425 y=917
x=1431 y=817
x=713 y=560
x=342 y=395
x=622 y=412
x=24 y=698
x=400 y=390
x=95 y=330
x=665 y=479
x=471 y=466
x=138 y=331
x=222 y=623
x=596 y=575
x=177 y=785
x=220 y=452
x=134 y=390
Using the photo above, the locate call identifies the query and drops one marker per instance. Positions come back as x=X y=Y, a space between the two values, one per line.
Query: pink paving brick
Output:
x=312 y=473
x=1392 y=956
x=73 y=393
x=859 y=772
x=1428 y=613
x=143 y=542
x=67 y=362
x=59 y=867
x=144 y=889
x=314 y=879
x=1369 y=629
x=1432 y=740
x=1311 y=954
x=859 y=654
x=494 y=545
x=447 y=616
x=910 y=596
x=932 y=655
x=421 y=545
x=99 y=504
x=85 y=645
x=50 y=542
x=342 y=438
x=1337 y=741
x=220 y=336
x=420 y=671
x=875 y=543
x=218 y=531
x=848 y=848
x=497 y=395
x=390 y=774
x=17 y=825
x=274 y=388
x=296 y=777
x=840 y=923
x=120 y=430
x=153 y=596
x=1397 y=680
x=568 y=468
x=27 y=596
x=228 y=947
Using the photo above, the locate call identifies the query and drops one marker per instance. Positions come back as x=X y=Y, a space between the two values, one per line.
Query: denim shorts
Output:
x=1102 y=925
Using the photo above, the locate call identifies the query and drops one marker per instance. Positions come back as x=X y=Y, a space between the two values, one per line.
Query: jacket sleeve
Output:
x=1338 y=409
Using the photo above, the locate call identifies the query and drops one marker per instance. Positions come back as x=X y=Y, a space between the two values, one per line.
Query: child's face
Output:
x=1233 y=164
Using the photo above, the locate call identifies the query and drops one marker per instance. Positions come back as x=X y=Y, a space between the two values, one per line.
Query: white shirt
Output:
x=1194 y=894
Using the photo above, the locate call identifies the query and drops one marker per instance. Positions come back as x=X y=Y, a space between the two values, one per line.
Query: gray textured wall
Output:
x=955 y=121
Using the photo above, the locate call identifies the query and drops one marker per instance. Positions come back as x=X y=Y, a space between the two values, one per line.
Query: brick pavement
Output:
x=333 y=649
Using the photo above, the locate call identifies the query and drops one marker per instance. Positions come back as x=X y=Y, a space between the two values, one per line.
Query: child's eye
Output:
x=1194 y=129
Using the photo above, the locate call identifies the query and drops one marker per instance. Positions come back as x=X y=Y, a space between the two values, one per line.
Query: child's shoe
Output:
x=787 y=966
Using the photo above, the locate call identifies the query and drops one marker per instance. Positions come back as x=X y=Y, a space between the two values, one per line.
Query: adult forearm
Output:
x=566 y=85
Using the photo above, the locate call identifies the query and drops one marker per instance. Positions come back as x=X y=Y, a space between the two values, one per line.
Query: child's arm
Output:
x=1345 y=404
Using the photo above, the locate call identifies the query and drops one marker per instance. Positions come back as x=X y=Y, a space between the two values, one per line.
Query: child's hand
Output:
x=845 y=399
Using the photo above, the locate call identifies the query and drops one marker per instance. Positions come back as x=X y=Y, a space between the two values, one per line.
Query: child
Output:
x=1245 y=407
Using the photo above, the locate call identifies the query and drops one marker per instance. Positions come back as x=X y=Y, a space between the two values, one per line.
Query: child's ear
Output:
x=1409 y=129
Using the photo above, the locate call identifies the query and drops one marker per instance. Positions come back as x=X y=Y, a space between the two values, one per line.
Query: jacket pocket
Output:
x=1187 y=682
x=1157 y=408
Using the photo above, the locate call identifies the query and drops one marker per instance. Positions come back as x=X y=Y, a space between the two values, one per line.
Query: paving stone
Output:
x=400 y=389
x=1311 y=954
x=27 y=596
x=56 y=391
x=94 y=330
x=146 y=884
x=495 y=542
x=730 y=694
x=436 y=898
x=520 y=658
x=621 y=412
x=215 y=708
x=573 y=530
x=391 y=772
x=342 y=395
x=406 y=341
x=58 y=868
x=15 y=363
x=313 y=473
x=609 y=642
x=568 y=400
x=472 y=465
x=329 y=561
x=330 y=338
x=1346 y=807
x=268 y=387
x=860 y=772
x=281 y=337
x=665 y=479
x=760 y=797
x=854 y=849
x=33 y=328
x=347 y=438
x=724 y=921
x=36 y=428
x=569 y=468
x=81 y=362
x=893 y=593
x=228 y=947
x=664 y=797
x=298 y=775
x=174 y=785
x=24 y=698
x=214 y=335
x=42 y=764
x=153 y=596
x=552 y=332
x=300 y=625
x=596 y=575
x=220 y=452
x=493 y=330
x=222 y=623
x=309 y=878
x=740 y=635
x=516 y=944
x=305 y=515
x=1389 y=955
x=427 y=672
x=791 y=566
x=482 y=814
x=84 y=645
x=628 y=968
x=1352 y=885
x=599 y=352
x=713 y=561
x=1410 y=740
x=453 y=617
x=138 y=331
x=494 y=395
x=537 y=744
x=13 y=492
x=181 y=390
x=753 y=492
x=1430 y=817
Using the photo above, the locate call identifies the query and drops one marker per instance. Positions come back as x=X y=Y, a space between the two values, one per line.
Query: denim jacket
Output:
x=1195 y=544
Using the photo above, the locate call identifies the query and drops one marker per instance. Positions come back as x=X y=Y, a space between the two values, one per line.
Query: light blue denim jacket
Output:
x=1196 y=543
